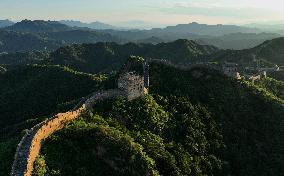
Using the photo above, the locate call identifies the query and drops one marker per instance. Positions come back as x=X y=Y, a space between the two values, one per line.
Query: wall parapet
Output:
x=29 y=147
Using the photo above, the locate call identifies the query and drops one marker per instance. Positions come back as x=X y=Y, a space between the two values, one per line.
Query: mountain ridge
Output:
x=38 y=26
x=93 y=25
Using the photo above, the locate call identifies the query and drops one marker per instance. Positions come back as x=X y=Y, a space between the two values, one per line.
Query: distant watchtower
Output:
x=231 y=70
x=134 y=78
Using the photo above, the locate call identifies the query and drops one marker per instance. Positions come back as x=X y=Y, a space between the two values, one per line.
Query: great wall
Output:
x=29 y=147
x=129 y=86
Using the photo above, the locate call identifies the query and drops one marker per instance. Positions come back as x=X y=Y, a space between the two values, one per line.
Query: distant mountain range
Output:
x=6 y=23
x=238 y=41
x=38 y=26
x=47 y=35
x=104 y=57
x=204 y=29
x=184 y=31
x=271 y=51
x=94 y=25
x=267 y=26
x=55 y=34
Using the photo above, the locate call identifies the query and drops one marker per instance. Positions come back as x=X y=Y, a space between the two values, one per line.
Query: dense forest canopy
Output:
x=33 y=93
x=196 y=122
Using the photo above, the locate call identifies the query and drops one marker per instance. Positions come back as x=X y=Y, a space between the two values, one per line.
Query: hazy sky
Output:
x=158 y=12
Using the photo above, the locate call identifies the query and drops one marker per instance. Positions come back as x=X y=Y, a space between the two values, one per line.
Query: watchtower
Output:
x=131 y=84
x=231 y=70
x=134 y=78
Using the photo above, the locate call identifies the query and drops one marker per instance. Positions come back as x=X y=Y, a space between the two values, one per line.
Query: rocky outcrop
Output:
x=29 y=147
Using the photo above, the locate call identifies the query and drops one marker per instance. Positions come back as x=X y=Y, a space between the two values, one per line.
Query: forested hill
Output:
x=38 y=26
x=29 y=94
x=274 y=86
x=47 y=35
x=271 y=51
x=37 y=90
x=11 y=41
x=105 y=57
x=196 y=122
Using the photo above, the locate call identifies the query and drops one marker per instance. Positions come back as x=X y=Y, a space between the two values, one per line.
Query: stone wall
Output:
x=29 y=147
x=132 y=85
x=254 y=78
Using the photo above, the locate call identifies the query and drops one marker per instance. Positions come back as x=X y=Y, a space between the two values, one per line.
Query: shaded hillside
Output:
x=196 y=122
x=5 y=23
x=23 y=58
x=278 y=75
x=38 y=26
x=123 y=130
x=238 y=41
x=21 y=42
x=40 y=90
x=32 y=93
x=11 y=41
x=153 y=40
x=191 y=31
x=106 y=57
x=48 y=35
x=81 y=36
x=271 y=51
x=274 y=86
x=250 y=118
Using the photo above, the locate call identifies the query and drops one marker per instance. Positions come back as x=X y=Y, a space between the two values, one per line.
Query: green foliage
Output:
x=176 y=148
x=30 y=94
x=111 y=153
x=37 y=90
x=250 y=117
x=133 y=64
x=106 y=57
x=143 y=113
x=196 y=122
x=11 y=41
x=136 y=59
x=273 y=86
x=39 y=167
x=270 y=53
x=19 y=58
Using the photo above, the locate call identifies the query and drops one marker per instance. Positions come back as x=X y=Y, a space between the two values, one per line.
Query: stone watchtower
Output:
x=134 y=78
x=231 y=70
